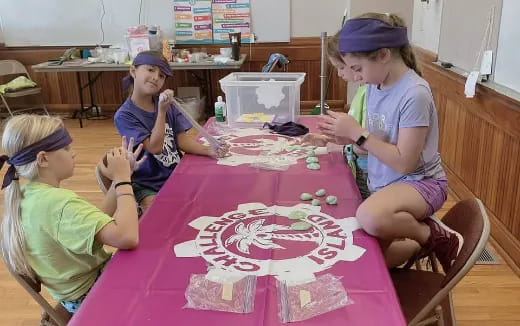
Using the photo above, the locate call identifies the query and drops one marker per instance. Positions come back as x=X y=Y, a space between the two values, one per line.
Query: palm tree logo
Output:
x=262 y=236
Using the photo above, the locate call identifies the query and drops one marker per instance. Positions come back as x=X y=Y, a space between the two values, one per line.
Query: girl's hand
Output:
x=315 y=139
x=340 y=125
x=118 y=166
x=221 y=151
x=132 y=155
x=165 y=99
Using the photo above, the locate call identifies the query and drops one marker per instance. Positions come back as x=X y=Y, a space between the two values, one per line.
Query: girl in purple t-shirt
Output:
x=405 y=175
x=154 y=122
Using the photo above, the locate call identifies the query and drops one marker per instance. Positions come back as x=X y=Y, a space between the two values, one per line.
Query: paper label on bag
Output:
x=227 y=291
x=471 y=83
x=487 y=62
x=305 y=298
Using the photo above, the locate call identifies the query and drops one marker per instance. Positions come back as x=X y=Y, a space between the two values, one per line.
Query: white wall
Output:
x=403 y=8
x=426 y=27
x=507 y=69
x=1 y=32
x=311 y=17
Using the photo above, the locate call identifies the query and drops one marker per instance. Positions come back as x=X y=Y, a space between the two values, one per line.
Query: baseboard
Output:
x=504 y=242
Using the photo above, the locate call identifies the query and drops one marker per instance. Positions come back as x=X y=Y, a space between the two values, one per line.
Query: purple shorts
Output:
x=434 y=192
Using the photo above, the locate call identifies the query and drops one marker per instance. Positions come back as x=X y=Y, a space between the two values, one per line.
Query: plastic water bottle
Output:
x=220 y=110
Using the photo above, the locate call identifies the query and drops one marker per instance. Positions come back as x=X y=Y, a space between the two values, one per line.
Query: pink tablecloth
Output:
x=146 y=286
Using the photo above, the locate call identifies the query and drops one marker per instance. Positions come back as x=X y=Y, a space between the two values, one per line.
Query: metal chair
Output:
x=425 y=296
x=104 y=183
x=52 y=316
x=13 y=67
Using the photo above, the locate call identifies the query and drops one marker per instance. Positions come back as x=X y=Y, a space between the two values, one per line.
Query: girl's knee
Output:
x=372 y=221
x=146 y=202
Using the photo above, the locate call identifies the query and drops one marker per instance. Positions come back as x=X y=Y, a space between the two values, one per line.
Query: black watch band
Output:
x=362 y=138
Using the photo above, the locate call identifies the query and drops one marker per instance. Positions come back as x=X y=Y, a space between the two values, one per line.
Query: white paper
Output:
x=487 y=62
x=471 y=83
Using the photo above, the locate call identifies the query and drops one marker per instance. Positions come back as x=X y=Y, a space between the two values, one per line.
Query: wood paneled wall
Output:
x=60 y=91
x=480 y=147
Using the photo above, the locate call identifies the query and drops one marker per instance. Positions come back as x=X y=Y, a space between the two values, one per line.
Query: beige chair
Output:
x=13 y=67
x=52 y=316
x=104 y=183
x=425 y=296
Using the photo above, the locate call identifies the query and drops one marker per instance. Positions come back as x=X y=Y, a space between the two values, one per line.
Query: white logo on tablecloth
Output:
x=259 y=240
x=253 y=145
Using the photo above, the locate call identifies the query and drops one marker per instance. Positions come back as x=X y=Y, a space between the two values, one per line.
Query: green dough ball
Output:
x=332 y=200
x=316 y=202
x=311 y=153
x=313 y=166
x=297 y=215
x=320 y=192
x=297 y=146
x=289 y=148
x=312 y=159
x=305 y=196
x=301 y=226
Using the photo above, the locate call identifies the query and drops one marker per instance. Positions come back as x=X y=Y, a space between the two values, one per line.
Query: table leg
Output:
x=210 y=96
x=80 y=91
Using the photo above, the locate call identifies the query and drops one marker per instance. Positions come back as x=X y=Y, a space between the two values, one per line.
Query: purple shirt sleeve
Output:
x=129 y=125
x=416 y=109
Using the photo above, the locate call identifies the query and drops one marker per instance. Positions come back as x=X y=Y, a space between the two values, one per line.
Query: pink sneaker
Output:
x=443 y=241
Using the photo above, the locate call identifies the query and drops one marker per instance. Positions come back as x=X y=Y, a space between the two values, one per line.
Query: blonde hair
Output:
x=20 y=132
x=153 y=53
x=405 y=52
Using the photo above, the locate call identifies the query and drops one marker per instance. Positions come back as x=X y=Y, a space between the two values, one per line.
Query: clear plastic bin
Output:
x=254 y=98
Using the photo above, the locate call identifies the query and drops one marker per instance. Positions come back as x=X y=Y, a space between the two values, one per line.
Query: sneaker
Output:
x=444 y=242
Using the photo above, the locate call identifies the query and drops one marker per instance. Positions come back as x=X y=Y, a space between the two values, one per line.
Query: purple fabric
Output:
x=147 y=59
x=289 y=128
x=58 y=139
x=368 y=34
x=408 y=103
x=434 y=192
x=132 y=121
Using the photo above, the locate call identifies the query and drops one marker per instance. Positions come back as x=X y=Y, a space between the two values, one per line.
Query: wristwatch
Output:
x=362 y=138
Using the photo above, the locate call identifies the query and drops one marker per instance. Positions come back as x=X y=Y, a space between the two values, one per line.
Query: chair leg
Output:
x=43 y=104
x=440 y=315
x=6 y=105
x=433 y=263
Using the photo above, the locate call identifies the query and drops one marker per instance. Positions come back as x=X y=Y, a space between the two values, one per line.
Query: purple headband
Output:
x=147 y=59
x=57 y=140
x=369 y=34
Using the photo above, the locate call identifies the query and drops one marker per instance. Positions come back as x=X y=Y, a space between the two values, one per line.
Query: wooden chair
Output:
x=425 y=296
x=13 y=67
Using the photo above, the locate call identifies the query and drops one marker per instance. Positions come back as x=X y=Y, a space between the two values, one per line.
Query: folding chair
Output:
x=13 y=67
x=425 y=296
x=52 y=316
x=104 y=183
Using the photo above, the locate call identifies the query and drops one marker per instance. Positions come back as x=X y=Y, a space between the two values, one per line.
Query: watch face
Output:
x=361 y=140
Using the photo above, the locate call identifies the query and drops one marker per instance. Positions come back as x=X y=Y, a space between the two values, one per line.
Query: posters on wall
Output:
x=193 y=21
x=210 y=21
x=231 y=16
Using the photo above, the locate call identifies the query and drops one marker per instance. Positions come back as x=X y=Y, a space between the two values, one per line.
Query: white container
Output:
x=254 y=98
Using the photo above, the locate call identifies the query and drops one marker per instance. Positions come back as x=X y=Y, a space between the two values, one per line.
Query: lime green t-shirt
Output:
x=358 y=105
x=59 y=228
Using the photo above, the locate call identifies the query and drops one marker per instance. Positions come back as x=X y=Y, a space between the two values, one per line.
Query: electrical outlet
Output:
x=252 y=38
